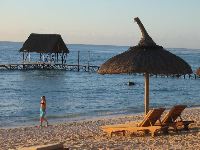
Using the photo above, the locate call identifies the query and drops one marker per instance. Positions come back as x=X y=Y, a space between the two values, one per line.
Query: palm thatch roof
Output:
x=44 y=43
x=154 y=60
x=146 y=57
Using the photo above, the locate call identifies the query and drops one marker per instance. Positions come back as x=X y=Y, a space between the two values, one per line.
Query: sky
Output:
x=171 y=23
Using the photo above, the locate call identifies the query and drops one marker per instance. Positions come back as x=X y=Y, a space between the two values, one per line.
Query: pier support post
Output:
x=78 y=61
x=88 y=61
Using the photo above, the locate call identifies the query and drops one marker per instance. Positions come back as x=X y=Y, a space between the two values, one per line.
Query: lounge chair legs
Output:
x=116 y=132
x=124 y=133
x=111 y=134
x=186 y=128
x=165 y=130
x=175 y=129
x=184 y=124
x=152 y=134
x=146 y=131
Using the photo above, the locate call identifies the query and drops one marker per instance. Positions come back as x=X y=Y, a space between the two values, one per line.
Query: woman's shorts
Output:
x=42 y=113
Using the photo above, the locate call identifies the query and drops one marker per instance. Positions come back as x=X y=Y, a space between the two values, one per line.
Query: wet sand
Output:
x=88 y=135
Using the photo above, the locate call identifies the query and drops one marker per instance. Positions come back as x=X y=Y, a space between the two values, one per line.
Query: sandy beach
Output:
x=88 y=135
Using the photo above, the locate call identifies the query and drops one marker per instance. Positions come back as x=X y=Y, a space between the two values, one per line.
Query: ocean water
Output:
x=82 y=95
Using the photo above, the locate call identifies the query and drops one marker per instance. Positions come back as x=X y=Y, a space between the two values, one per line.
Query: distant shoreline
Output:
x=86 y=44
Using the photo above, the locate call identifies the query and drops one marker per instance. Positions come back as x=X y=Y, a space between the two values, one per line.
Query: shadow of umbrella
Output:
x=147 y=57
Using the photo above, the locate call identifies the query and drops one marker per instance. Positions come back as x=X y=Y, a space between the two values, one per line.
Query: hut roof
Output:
x=44 y=43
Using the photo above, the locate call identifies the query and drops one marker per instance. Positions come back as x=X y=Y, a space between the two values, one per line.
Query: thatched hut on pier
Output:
x=51 y=48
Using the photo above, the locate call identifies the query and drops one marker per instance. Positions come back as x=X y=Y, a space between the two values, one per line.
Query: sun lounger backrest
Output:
x=173 y=114
x=151 y=117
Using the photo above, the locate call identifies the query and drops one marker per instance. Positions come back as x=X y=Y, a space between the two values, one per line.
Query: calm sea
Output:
x=81 y=95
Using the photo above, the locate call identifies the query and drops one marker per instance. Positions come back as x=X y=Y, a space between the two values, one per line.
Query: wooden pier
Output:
x=49 y=66
x=73 y=67
x=187 y=76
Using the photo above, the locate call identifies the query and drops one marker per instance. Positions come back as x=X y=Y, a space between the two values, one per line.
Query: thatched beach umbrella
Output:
x=148 y=58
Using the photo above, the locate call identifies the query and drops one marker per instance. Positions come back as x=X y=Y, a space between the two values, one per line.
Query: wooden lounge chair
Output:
x=147 y=124
x=173 y=118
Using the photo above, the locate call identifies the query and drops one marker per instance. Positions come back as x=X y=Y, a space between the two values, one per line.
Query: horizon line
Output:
x=107 y=45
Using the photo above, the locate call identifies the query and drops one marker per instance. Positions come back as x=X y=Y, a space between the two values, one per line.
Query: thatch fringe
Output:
x=141 y=60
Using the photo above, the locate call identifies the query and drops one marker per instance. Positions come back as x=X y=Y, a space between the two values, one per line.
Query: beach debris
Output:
x=130 y=83
x=55 y=146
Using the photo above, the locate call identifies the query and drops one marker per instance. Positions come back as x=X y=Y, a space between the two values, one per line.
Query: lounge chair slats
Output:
x=173 y=118
x=147 y=124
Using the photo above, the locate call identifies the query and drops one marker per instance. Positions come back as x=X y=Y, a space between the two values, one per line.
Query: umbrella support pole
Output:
x=146 y=96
